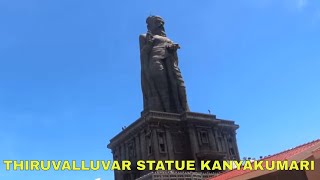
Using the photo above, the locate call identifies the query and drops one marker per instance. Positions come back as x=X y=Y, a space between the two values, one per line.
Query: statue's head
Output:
x=155 y=25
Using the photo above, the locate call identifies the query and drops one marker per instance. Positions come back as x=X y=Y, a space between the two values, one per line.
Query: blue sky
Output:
x=70 y=73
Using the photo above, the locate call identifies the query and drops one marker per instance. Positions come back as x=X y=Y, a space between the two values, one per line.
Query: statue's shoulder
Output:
x=142 y=40
x=142 y=36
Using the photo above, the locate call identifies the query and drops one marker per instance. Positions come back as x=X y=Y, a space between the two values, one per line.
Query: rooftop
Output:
x=298 y=153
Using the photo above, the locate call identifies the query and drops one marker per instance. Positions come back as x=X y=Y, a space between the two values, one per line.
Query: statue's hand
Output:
x=173 y=47
x=176 y=46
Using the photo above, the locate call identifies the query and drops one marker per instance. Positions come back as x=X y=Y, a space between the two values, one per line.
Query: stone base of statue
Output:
x=169 y=136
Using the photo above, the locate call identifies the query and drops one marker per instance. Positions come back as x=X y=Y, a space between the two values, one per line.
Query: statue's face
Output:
x=157 y=26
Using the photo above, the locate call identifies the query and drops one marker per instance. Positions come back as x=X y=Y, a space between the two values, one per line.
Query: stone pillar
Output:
x=126 y=150
x=155 y=144
x=143 y=146
x=235 y=144
x=137 y=147
x=169 y=144
x=225 y=133
x=194 y=144
x=219 y=146
x=212 y=140
x=118 y=153
x=123 y=151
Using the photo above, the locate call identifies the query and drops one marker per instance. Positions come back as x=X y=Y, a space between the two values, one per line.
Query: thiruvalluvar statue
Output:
x=162 y=84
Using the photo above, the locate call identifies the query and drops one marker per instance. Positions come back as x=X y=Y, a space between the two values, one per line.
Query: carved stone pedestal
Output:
x=170 y=136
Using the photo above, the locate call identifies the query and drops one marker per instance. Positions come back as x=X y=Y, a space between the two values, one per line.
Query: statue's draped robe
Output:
x=162 y=84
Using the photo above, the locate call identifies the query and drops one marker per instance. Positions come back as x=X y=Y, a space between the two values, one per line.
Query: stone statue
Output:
x=162 y=83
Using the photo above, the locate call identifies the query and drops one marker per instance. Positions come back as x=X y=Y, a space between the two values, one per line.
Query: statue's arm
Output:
x=145 y=41
x=145 y=44
x=142 y=38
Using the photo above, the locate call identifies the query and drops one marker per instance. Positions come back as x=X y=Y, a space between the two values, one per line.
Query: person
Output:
x=162 y=84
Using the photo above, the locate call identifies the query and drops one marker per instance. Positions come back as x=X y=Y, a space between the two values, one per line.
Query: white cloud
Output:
x=301 y=4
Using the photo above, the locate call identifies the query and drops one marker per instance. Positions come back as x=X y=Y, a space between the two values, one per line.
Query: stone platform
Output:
x=170 y=136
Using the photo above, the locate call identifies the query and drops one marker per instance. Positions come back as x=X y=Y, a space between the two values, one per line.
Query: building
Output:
x=307 y=152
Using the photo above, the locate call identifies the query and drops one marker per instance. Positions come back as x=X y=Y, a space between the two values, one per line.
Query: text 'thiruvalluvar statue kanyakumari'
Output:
x=162 y=83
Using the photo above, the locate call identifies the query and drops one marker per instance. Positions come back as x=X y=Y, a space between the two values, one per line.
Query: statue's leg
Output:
x=183 y=98
x=174 y=91
x=159 y=77
x=146 y=91
x=181 y=88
